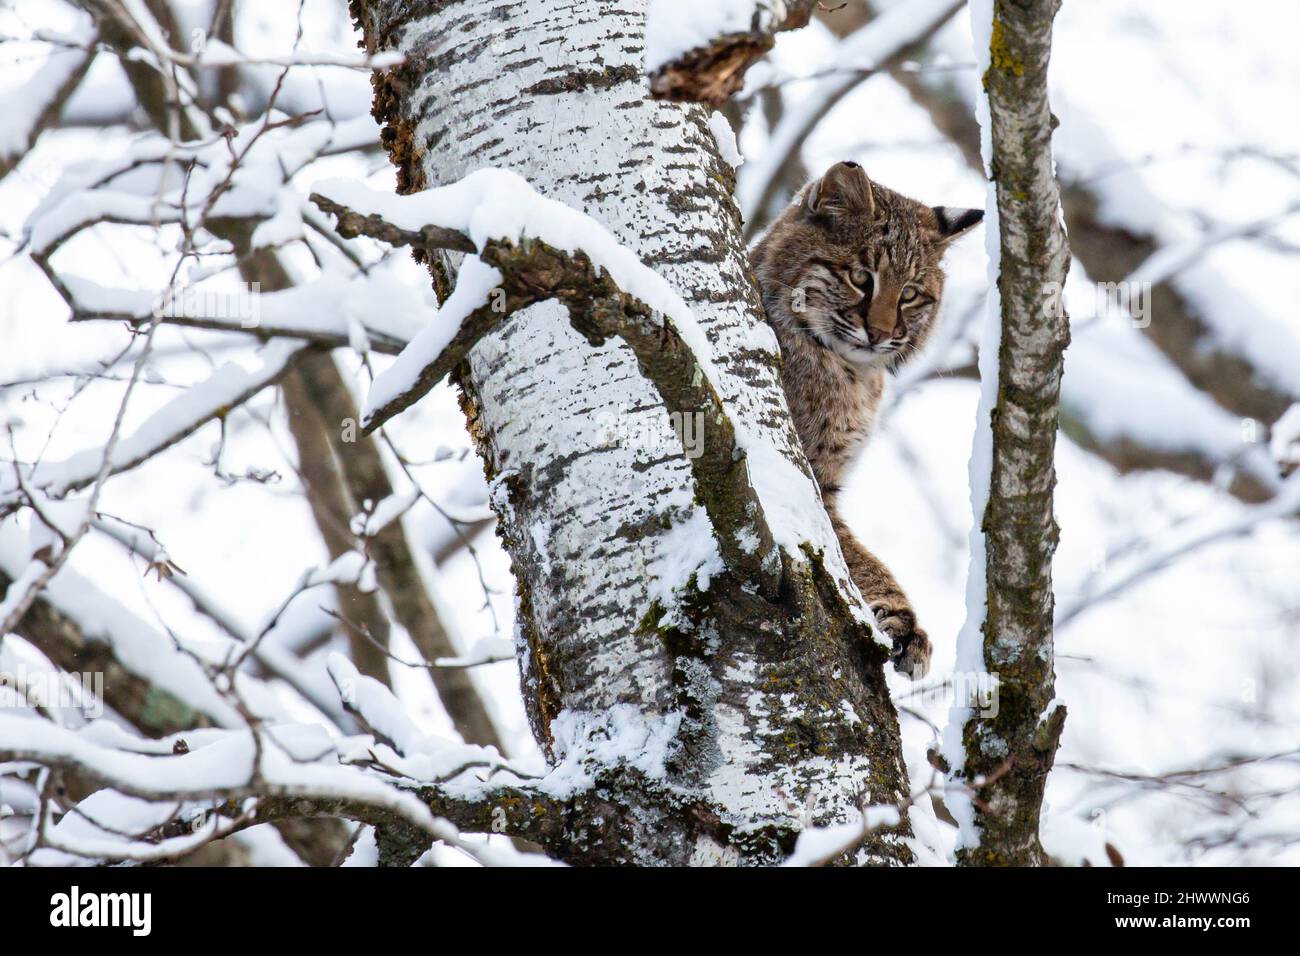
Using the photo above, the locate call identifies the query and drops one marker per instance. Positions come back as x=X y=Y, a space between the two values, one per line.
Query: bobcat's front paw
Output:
x=911 y=654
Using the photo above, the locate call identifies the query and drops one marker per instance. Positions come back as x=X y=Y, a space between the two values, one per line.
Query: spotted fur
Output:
x=852 y=285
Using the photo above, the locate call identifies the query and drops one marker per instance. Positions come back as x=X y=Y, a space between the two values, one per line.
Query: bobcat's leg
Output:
x=893 y=611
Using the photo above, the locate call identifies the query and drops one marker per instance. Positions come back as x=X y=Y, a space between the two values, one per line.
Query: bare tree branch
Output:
x=1178 y=543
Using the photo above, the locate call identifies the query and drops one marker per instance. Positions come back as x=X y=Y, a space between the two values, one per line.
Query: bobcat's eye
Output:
x=910 y=294
x=861 y=278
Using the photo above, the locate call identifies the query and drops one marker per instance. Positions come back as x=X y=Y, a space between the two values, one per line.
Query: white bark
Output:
x=601 y=529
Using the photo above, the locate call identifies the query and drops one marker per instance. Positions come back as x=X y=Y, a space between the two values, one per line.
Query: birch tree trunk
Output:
x=773 y=713
x=1005 y=755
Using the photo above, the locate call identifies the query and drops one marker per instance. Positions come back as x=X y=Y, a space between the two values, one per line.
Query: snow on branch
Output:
x=486 y=650
x=149 y=680
x=1128 y=234
x=270 y=654
x=165 y=797
x=242 y=176
x=414 y=753
x=56 y=226
x=531 y=249
x=228 y=387
x=1113 y=370
x=45 y=93
x=700 y=51
x=216 y=54
x=255 y=775
x=328 y=311
x=817 y=846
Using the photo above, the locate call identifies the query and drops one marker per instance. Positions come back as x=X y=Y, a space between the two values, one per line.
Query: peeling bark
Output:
x=712 y=72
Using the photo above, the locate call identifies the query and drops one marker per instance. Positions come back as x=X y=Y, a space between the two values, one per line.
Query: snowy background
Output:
x=1183 y=687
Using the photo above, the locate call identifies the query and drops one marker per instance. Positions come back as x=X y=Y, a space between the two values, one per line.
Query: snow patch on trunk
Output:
x=970 y=641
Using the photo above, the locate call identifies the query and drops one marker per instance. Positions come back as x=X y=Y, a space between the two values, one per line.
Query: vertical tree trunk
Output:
x=1007 y=754
x=773 y=714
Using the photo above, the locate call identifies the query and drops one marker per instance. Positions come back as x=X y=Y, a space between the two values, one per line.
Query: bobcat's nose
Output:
x=876 y=334
x=895 y=336
x=879 y=321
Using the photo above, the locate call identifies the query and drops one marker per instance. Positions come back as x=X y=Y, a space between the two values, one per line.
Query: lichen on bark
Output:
x=1008 y=753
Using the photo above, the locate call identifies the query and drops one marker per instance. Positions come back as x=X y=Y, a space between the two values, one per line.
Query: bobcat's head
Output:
x=856 y=266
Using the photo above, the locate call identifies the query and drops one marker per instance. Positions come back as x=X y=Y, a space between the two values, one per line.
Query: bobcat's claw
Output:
x=911 y=654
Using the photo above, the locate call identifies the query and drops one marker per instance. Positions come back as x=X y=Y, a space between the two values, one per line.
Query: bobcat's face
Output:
x=856 y=266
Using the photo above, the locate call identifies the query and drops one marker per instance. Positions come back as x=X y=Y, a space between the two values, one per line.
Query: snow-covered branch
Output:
x=817 y=846
x=1123 y=232
x=331 y=311
x=229 y=780
x=217 y=54
x=1114 y=370
x=531 y=249
x=228 y=387
x=275 y=659
x=153 y=683
x=45 y=94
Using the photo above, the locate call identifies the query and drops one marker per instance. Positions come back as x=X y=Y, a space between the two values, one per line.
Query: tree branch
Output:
x=154 y=710
x=1183 y=331
x=396 y=567
x=286 y=789
x=1111 y=254
x=45 y=94
x=228 y=387
x=534 y=271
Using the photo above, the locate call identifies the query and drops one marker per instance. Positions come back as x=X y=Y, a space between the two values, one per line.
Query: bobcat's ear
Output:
x=845 y=189
x=953 y=222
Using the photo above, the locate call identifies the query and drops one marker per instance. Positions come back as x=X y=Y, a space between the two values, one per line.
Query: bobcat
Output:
x=851 y=284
